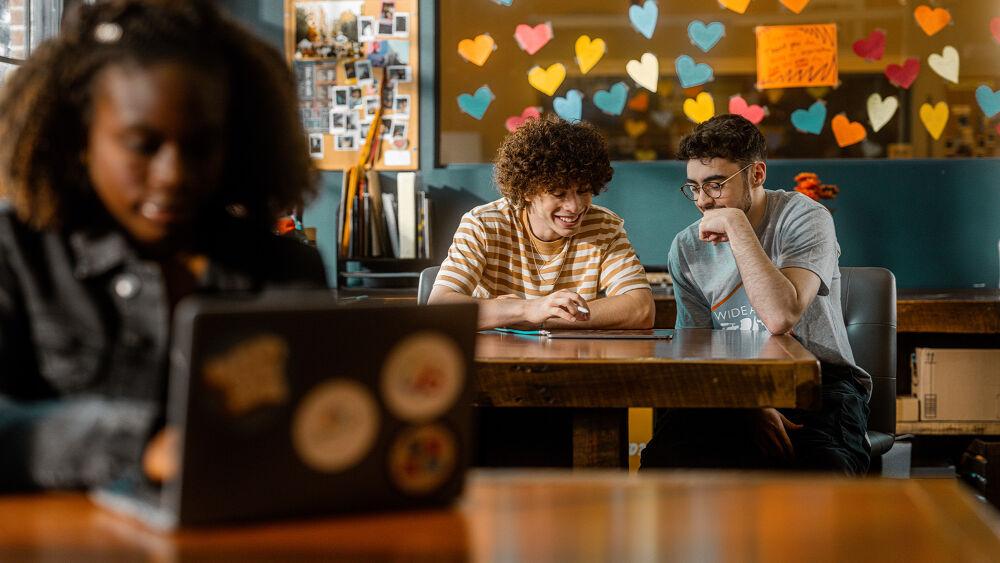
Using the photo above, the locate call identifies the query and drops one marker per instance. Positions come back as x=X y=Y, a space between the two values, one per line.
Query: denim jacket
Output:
x=84 y=341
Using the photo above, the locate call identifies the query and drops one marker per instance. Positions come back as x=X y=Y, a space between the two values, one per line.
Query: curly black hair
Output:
x=727 y=136
x=547 y=154
x=45 y=108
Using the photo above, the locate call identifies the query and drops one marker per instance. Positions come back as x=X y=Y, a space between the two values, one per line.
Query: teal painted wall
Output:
x=934 y=223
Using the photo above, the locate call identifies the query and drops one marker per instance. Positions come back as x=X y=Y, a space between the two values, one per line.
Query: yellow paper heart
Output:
x=934 y=118
x=547 y=80
x=634 y=127
x=477 y=50
x=645 y=154
x=817 y=92
x=700 y=109
x=795 y=5
x=588 y=52
x=738 y=6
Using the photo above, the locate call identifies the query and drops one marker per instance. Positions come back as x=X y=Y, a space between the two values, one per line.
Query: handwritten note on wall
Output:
x=790 y=56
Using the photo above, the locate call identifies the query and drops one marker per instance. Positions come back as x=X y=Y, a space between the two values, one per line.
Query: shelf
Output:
x=949 y=428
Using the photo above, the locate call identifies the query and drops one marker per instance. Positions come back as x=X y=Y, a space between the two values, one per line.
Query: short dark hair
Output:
x=727 y=136
x=549 y=153
x=45 y=108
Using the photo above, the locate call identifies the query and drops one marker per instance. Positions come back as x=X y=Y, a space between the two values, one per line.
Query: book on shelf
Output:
x=389 y=212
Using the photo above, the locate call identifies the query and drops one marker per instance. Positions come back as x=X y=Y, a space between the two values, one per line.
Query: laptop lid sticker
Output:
x=335 y=425
x=422 y=376
x=422 y=459
x=250 y=374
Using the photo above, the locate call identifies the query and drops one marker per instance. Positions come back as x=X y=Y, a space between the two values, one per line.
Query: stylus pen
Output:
x=521 y=332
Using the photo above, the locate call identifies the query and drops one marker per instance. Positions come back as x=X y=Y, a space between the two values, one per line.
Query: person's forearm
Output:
x=770 y=292
x=493 y=313
x=632 y=310
x=70 y=443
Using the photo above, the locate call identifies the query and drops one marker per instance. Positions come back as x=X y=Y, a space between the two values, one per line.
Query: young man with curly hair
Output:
x=543 y=254
x=760 y=260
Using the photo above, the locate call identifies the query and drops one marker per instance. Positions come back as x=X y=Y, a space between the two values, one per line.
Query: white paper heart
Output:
x=881 y=111
x=645 y=73
x=945 y=64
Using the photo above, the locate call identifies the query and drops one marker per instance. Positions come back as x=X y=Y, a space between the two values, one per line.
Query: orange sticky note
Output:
x=795 y=56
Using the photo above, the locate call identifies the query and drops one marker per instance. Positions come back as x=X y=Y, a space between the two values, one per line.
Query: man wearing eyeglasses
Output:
x=760 y=259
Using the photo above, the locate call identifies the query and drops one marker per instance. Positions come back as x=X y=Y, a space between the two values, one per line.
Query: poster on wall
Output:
x=327 y=29
x=794 y=56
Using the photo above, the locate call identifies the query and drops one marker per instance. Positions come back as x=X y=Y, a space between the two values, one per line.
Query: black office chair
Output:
x=868 y=301
x=426 y=283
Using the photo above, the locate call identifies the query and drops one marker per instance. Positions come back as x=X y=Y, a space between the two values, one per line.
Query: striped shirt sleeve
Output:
x=621 y=270
x=463 y=268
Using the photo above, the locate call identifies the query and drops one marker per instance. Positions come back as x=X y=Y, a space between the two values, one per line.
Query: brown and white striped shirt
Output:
x=494 y=253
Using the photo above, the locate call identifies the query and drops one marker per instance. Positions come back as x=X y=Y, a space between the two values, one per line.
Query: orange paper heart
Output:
x=477 y=50
x=639 y=102
x=931 y=20
x=738 y=6
x=847 y=132
x=795 y=5
x=635 y=128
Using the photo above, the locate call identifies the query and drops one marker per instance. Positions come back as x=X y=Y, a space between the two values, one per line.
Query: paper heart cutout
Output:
x=934 y=117
x=817 y=92
x=774 y=95
x=738 y=6
x=700 y=109
x=753 y=113
x=569 y=107
x=931 y=20
x=612 y=100
x=881 y=111
x=795 y=5
x=476 y=104
x=945 y=64
x=639 y=102
x=663 y=117
x=588 y=52
x=531 y=39
x=691 y=73
x=847 y=132
x=989 y=101
x=810 y=120
x=645 y=72
x=872 y=47
x=705 y=36
x=995 y=28
x=645 y=154
x=504 y=2
x=477 y=50
x=634 y=127
x=515 y=121
x=903 y=76
x=547 y=80
x=643 y=18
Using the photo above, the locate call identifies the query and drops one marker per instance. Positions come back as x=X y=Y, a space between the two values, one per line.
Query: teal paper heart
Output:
x=705 y=36
x=690 y=73
x=570 y=107
x=811 y=120
x=612 y=100
x=988 y=100
x=644 y=18
x=476 y=104
x=504 y=2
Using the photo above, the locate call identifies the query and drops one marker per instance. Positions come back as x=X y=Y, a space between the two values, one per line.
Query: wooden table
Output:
x=561 y=516
x=601 y=379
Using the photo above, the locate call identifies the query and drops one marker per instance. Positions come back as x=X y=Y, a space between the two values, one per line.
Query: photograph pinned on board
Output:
x=346 y=142
x=388 y=94
x=371 y=107
x=351 y=123
x=398 y=137
x=363 y=71
x=355 y=99
x=366 y=29
x=338 y=121
x=341 y=96
x=386 y=127
x=326 y=73
x=316 y=145
x=398 y=73
x=305 y=77
x=365 y=127
x=402 y=25
x=386 y=27
x=327 y=29
x=401 y=104
x=388 y=9
x=350 y=73
x=389 y=52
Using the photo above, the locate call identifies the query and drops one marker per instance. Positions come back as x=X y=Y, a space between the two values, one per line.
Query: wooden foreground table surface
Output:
x=561 y=516
x=601 y=379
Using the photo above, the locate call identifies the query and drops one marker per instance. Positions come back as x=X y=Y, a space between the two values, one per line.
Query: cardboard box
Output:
x=907 y=409
x=957 y=384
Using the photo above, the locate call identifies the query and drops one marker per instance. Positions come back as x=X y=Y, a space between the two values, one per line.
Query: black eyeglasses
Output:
x=714 y=189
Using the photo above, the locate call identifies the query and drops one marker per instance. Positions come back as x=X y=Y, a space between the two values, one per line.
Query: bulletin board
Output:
x=340 y=52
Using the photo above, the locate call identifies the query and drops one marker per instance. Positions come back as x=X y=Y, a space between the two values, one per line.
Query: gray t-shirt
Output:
x=796 y=232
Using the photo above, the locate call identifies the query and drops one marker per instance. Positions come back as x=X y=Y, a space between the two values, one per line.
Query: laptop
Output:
x=297 y=405
x=650 y=334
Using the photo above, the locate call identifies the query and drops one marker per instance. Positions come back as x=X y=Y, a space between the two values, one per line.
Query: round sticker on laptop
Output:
x=422 y=459
x=335 y=425
x=422 y=376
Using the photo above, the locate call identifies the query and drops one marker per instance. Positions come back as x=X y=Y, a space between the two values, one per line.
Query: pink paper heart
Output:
x=514 y=121
x=531 y=39
x=872 y=47
x=903 y=76
x=754 y=114
x=995 y=28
